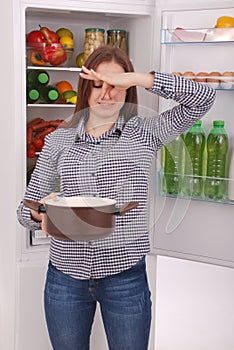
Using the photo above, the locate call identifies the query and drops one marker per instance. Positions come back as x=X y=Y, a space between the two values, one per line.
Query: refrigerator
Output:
x=191 y=241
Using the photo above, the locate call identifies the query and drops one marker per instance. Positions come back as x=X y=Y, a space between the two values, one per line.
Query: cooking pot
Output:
x=79 y=218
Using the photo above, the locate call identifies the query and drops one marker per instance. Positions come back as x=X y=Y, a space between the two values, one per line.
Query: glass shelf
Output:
x=56 y=69
x=183 y=193
x=46 y=105
x=202 y=36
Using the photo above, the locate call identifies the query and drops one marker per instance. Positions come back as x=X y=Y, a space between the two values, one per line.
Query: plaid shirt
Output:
x=115 y=165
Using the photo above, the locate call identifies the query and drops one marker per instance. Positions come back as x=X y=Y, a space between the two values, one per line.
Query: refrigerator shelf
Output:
x=46 y=105
x=229 y=184
x=56 y=69
x=197 y=36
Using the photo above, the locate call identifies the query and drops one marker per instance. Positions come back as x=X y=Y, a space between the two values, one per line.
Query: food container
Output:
x=44 y=54
x=117 y=38
x=94 y=38
x=80 y=218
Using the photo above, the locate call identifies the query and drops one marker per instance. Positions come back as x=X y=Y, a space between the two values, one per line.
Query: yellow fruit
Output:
x=80 y=60
x=67 y=42
x=72 y=100
x=225 y=22
x=64 y=32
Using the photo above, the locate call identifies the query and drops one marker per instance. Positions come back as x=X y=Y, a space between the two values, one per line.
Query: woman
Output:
x=107 y=151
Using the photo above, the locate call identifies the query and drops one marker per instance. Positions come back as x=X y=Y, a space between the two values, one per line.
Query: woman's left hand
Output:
x=119 y=81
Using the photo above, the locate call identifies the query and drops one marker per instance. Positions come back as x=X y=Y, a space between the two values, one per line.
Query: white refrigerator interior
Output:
x=192 y=300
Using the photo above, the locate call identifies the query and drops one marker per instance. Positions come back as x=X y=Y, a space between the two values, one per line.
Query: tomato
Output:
x=31 y=153
x=35 y=37
x=38 y=144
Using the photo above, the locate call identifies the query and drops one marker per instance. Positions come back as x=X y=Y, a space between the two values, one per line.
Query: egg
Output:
x=189 y=75
x=201 y=77
x=212 y=79
x=228 y=81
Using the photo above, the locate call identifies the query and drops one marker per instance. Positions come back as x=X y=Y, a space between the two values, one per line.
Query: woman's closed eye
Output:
x=97 y=84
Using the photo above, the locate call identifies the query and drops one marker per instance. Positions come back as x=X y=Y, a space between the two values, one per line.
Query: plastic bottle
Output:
x=33 y=95
x=194 y=156
x=37 y=77
x=173 y=160
x=48 y=94
x=216 y=174
x=231 y=178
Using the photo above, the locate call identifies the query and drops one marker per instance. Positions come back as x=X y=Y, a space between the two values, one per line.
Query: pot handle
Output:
x=126 y=207
x=34 y=205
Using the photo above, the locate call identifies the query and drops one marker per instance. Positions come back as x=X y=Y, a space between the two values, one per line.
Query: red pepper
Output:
x=54 y=54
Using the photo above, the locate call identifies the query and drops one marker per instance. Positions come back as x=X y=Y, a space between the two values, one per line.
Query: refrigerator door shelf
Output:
x=204 y=36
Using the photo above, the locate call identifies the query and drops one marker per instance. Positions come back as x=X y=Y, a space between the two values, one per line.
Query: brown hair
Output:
x=106 y=54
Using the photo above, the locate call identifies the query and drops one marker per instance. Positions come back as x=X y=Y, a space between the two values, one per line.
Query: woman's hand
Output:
x=42 y=217
x=119 y=81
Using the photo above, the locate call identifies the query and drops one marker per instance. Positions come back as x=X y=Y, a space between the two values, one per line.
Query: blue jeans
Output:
x=124 y=303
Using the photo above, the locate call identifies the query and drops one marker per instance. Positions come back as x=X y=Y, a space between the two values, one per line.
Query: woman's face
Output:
x=103 y=101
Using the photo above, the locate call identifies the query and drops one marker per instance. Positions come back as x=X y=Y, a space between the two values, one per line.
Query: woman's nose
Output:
x=105 y=92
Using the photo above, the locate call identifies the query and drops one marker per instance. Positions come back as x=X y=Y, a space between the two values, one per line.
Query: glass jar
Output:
x=94 y=38
x=117 y=38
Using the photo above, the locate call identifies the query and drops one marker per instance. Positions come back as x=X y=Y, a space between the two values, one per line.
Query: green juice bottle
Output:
x=173 y=164
x=194 y=158
x=216 y=174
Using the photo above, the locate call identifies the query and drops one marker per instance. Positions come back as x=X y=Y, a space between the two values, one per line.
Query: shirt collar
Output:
x=117 y=128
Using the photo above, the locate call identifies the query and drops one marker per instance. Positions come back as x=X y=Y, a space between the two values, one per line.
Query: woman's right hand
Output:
x=42 y=217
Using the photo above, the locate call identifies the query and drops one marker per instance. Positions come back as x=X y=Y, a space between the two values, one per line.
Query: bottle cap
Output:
x=34 y=94
x=53 y=95
x=198 y=122
x=218 y=123
x=43 y=78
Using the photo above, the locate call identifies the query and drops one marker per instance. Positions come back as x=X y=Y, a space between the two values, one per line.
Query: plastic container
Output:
x=194 y=158
x=173 y=163
x=117 y=38
x=37 y=77
x=94 y=38
x=43 y=54
x=216 y=174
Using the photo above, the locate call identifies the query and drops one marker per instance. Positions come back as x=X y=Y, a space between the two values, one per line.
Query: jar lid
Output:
x=116 y=31
x=95 y=30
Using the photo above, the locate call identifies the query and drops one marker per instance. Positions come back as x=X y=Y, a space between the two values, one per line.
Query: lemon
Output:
x=72 y=100
x=80 y=60
x=67 y=42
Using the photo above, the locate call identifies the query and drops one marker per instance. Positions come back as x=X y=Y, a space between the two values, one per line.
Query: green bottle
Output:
x=33 y=95
x=37 y=77
x=216 y=174
x=173 y=163
x=48 y=94
x=194 y=158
